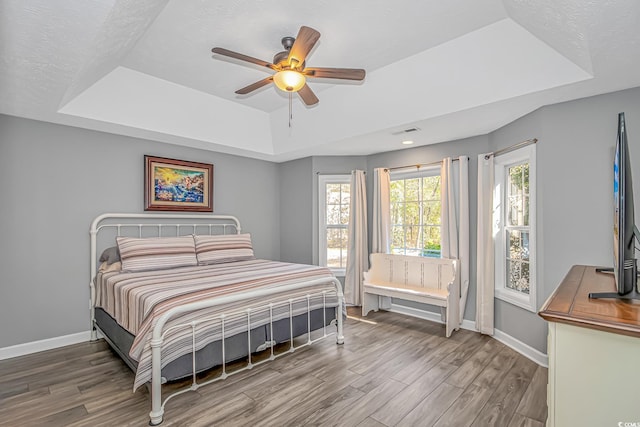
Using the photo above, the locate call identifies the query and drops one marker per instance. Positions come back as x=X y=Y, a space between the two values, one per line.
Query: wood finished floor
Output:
x=393 y=370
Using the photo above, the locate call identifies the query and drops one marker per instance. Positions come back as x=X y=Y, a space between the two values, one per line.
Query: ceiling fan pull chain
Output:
x=290 y=108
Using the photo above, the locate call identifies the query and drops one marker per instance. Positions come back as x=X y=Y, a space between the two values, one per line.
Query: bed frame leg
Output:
x=155 y=417
x=157 y=408
x=151 y=423
x=92 y=312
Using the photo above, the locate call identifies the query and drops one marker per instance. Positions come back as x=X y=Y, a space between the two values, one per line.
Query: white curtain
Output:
x=463 y=233
x=382 y=218
x=448 y=212
x=455 y=219
x=381 y=211
x=485 y=268
x=358 y=252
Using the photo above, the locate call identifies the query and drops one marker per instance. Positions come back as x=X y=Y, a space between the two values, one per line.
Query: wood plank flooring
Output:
x=393 y=370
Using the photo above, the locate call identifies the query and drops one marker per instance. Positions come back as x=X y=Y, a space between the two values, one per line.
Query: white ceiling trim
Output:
x=497 y=62
x=130 y=98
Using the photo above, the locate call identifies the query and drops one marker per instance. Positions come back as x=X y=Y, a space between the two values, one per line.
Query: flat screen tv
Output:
x=625 y=232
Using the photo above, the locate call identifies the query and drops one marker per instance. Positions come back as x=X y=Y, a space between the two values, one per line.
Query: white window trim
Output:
x=418 y=173
x=323 y=180
x=502 y=292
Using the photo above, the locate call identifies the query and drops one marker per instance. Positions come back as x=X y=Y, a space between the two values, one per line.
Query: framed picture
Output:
x=177 y=185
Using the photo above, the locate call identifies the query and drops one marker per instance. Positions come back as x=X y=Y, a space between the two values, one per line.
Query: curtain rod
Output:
x=511 y=148
x=418 y=166
x=336 y=173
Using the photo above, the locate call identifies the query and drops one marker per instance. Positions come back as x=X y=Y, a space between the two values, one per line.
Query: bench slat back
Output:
x=412 y=270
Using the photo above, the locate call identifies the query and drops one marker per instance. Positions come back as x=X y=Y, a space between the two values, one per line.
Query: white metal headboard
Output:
x=157 y=225
x=153 y=225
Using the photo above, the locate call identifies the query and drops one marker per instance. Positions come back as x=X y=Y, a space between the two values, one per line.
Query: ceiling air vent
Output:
x=400 y=132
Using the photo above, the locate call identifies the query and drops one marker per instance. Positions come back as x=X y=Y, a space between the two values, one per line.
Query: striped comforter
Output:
x=136 y=301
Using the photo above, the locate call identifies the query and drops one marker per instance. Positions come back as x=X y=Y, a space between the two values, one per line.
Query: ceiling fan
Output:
x=289 y=66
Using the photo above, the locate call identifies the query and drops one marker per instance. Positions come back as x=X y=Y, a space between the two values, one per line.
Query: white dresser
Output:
x=594 y=354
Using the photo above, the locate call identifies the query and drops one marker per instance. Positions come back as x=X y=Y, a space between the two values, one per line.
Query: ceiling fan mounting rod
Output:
x=287 y=42
x=281 y=59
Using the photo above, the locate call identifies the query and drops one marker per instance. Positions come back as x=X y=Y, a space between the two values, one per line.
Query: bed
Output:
x=176 y=295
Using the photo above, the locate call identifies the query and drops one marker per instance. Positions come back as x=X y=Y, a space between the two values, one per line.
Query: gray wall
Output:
x=575 y=199
x=56 y=179
x=296 y=200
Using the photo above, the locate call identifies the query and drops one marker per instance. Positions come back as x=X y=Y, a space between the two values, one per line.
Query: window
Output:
x=334 y=197
x=415 y=213
x=515 y=222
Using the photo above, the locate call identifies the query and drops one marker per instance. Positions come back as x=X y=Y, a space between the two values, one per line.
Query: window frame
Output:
x=501 y=164
x=323 y=180
x=424 y=172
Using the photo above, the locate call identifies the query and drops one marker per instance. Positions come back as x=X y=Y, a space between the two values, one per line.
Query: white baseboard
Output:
x=515 y=344
x=524 y=349
x=428 y=315
x=42 y=345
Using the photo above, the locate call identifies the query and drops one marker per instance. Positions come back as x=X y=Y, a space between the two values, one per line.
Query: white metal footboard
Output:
x=158 y=404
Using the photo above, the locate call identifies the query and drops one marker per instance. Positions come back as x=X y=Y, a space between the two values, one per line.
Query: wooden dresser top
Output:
x=570 y=304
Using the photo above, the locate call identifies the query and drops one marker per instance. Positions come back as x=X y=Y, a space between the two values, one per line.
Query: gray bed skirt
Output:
x=211 y=355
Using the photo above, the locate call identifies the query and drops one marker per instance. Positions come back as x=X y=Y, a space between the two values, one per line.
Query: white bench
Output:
x=434 y=281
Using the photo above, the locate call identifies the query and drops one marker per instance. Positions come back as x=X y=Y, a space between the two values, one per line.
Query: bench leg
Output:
x=448 y=321
x=369 y=302
x=453 y=311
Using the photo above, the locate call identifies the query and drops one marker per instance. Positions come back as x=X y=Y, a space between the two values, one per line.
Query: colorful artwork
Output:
x=178 y=185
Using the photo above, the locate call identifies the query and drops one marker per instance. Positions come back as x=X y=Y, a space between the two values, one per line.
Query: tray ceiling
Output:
x=453 y=69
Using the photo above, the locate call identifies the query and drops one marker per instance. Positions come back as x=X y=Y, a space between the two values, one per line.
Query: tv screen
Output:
x=616 y=212
x=624 y=229
x=623 y=219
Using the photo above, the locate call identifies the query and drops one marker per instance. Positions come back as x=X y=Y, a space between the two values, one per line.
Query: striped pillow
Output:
x=140 y=254
x=223 y=248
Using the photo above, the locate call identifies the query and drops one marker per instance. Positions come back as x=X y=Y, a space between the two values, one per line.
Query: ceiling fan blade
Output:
x=307 y=95
x=307 y=38
x=254 y=86
x=240 y=56
x=335 y=73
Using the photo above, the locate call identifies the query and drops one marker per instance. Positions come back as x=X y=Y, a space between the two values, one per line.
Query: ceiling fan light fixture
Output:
x=289 y=80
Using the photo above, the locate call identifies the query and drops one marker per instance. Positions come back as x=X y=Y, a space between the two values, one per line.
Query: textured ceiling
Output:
x=454 y=68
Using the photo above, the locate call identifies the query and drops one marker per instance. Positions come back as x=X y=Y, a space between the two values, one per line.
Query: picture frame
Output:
x=177 y=185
